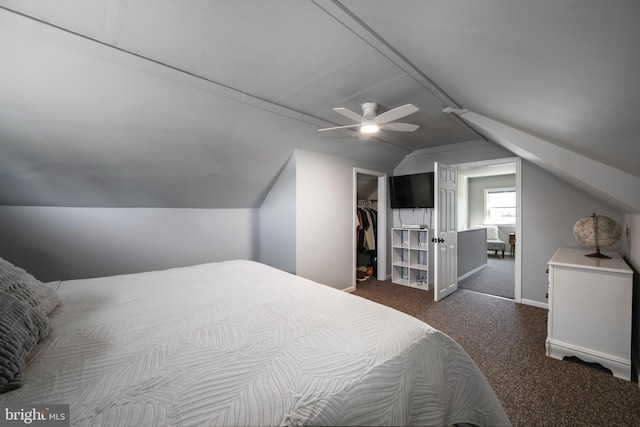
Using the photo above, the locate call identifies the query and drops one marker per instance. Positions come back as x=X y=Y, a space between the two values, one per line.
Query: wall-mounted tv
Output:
x=411 y=191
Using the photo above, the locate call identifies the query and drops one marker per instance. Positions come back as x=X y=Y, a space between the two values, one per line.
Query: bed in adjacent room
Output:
x=235 y=343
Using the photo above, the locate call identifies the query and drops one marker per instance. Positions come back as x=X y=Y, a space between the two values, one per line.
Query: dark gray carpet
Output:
x=497 y=278
x=506 y=340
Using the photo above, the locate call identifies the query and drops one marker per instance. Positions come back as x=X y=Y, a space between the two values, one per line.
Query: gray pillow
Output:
x=24 y=286
x=21 y=328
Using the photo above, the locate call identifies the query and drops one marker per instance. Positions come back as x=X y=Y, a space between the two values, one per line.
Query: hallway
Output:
x=497 y=278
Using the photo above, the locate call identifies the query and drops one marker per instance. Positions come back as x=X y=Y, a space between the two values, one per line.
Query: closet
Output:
x=366 y=227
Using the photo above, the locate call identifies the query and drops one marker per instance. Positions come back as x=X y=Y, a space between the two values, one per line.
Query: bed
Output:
x=239 y=343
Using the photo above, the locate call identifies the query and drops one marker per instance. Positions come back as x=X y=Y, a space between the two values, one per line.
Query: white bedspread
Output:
x=239 y=343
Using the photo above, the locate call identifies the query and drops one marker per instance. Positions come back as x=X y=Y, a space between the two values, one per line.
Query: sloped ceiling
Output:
x=200 y=104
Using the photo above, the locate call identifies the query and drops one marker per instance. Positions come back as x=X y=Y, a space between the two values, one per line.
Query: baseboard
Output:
x=472 y=272
x=523 y=301
x=535 y=303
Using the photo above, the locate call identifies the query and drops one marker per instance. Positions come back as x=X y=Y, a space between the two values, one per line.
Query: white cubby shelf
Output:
x=410 y=257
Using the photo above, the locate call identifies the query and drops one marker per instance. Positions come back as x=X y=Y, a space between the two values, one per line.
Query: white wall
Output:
x=278 y=221
x=318 y=208
x=476 y=188
x=325 y=218
x=56 y=243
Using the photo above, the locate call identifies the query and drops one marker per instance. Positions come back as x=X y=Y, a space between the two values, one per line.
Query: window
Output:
x=500 y=206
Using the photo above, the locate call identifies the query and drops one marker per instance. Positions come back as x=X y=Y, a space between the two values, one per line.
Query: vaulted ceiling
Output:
x=200 y=103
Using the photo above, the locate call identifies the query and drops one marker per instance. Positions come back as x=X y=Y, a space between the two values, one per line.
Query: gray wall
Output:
x=472 y=251
x=278 y=221
x=422 y=161
x=631 y=252
x=550 y=208
x=306 y=225
x=58 y=243
x=64 y=243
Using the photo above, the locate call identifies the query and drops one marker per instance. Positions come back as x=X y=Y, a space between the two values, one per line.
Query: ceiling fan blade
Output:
x=349 y=114
x=339 y=127
x=401 y=127
x=396 y=113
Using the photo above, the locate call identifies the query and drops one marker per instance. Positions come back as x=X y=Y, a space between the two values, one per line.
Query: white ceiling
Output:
x=200 y=103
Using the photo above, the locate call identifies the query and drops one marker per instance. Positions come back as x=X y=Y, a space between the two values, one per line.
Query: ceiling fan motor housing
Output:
x=369 y=110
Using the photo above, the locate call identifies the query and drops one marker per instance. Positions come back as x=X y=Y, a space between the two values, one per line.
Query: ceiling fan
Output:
x=370 y=123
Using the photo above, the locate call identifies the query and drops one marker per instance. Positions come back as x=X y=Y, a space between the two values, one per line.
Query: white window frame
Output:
x=487 y=215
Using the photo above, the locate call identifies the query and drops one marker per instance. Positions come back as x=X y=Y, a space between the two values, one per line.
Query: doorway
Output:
x=498 y=276
x=370 y=192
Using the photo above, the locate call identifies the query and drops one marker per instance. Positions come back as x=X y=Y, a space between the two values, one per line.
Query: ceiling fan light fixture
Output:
x=369 y=128
x=370 y=123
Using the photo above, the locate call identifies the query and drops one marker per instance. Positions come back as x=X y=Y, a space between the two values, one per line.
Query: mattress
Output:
x=239 y=343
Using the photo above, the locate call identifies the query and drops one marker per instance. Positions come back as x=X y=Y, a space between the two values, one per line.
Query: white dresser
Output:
x=590 y=309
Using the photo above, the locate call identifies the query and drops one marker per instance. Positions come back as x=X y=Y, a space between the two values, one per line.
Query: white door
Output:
x=445 y=239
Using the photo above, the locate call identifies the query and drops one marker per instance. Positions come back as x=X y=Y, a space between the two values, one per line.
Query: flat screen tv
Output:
x=411 y=191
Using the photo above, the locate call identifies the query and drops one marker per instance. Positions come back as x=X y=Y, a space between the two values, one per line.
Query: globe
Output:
x=597 y=231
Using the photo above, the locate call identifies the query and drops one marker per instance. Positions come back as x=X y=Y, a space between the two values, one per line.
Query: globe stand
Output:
x=597 y=231
x=597 y=254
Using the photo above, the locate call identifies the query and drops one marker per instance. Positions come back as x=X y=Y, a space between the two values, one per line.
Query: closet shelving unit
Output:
x=410 y=257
